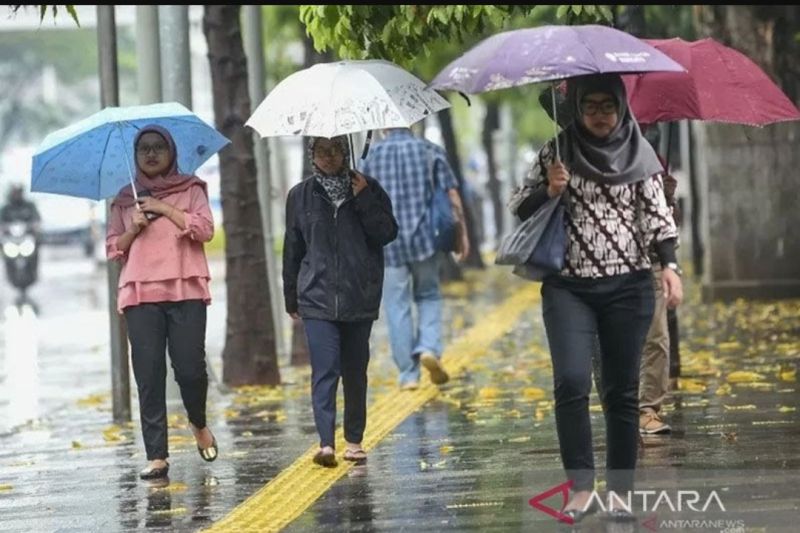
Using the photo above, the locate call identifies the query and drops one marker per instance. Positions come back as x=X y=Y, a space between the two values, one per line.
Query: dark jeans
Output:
x=617 y=310
x=152 y=327
x=339 y=349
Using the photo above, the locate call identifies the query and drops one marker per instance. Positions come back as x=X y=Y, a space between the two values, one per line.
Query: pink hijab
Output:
x=170 y=182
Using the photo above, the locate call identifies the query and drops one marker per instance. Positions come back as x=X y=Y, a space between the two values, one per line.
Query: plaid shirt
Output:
x=402 y=164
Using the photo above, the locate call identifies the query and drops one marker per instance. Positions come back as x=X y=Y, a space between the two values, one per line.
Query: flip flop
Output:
x=358 y=455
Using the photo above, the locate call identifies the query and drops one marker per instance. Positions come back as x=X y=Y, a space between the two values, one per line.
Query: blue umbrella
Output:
x=94 y=158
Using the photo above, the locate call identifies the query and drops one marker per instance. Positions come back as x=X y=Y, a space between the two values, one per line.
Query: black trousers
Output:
x=152 y=328
x=339 y=349
x=616 y=310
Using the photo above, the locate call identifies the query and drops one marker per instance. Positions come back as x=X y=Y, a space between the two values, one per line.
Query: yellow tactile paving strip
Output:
x=297 y=487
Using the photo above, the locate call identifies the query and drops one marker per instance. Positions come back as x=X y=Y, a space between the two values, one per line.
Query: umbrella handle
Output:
x=128 y=161
x=555 y=122
x=366 y=145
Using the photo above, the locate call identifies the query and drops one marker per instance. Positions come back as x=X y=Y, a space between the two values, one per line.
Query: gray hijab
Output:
x=624 y=156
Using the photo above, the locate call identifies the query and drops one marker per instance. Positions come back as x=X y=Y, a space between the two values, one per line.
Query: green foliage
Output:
x=282 y=30
x=400 y=33
x=666 y=21
x=425 y=38
x=70 y=8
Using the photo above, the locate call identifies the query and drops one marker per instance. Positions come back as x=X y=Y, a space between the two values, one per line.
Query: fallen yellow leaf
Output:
x=112 y=434
x=533 y=393
x=748 y=407
x=691 y=386
x=173 y=487
x=445 y=449
x=489 y=393
x=742 y=376
x=787 y=409
x=76 y=445
x=170 y=512
x=723 y=390
x=525 y=438
x=6 y=487
x=729 y=346
x=93 y=400
x=788 y=374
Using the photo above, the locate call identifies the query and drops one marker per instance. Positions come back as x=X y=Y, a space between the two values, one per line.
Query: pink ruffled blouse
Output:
x=164 y=263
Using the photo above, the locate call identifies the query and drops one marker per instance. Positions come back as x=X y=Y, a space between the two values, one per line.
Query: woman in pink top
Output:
x=163 y=289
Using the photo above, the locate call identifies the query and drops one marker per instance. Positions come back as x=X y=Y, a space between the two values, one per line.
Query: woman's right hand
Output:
x=138 y=222
x=557 y=178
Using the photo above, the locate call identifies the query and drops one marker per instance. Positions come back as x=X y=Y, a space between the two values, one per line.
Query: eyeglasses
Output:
x=144 y=149
x=606 y=107
x=333 y=151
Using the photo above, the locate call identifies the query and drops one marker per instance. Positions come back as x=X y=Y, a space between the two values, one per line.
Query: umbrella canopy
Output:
x=720 y=84
x=330 y=99
x=546 y=53
x=94 y=158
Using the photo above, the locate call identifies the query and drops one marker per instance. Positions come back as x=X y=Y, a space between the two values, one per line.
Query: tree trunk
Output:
x=491 y=123
x=632 y=20
x=748 y=175
x=249 y=355
x=451 y=146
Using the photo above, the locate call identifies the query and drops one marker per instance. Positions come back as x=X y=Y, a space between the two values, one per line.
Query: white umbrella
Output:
x=344 y=97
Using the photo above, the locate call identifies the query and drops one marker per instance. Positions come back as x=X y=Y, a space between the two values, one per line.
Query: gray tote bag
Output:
x=516 y=247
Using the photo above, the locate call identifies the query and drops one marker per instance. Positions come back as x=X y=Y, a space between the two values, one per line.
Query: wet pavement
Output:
x=470 y=459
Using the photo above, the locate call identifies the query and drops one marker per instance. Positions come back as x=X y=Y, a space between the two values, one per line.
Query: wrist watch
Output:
x=675 y=268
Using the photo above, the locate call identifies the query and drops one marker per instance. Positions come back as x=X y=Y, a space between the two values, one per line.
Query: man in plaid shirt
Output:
x=407 y=167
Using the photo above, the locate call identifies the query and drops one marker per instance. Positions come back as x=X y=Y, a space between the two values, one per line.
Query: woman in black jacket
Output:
x=337 y=223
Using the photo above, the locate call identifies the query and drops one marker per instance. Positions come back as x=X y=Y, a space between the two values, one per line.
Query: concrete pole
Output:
x=148 y=55
x=176 y=76
x=109 y=96
x=252 y=36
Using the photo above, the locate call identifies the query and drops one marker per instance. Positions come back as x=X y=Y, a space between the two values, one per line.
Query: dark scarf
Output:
x=338 y=186
x=624 y=156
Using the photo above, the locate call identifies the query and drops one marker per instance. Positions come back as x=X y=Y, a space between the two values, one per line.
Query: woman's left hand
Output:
x=673 y=287
x=154 y=205
x=358 y=182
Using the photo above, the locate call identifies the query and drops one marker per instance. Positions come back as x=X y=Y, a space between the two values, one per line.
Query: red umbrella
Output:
x=721 y=84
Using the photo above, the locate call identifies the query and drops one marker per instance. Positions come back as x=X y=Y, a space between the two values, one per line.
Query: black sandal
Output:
x=209 y=454
x=154 y=473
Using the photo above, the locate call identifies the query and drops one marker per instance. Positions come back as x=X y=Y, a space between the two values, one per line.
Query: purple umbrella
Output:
x=546 y=53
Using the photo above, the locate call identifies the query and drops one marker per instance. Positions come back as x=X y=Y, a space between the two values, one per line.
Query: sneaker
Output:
x=434 y=366
x=409 y=385
x=651 y=424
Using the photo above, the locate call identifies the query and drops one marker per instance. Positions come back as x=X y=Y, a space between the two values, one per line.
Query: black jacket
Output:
x=333 y=257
